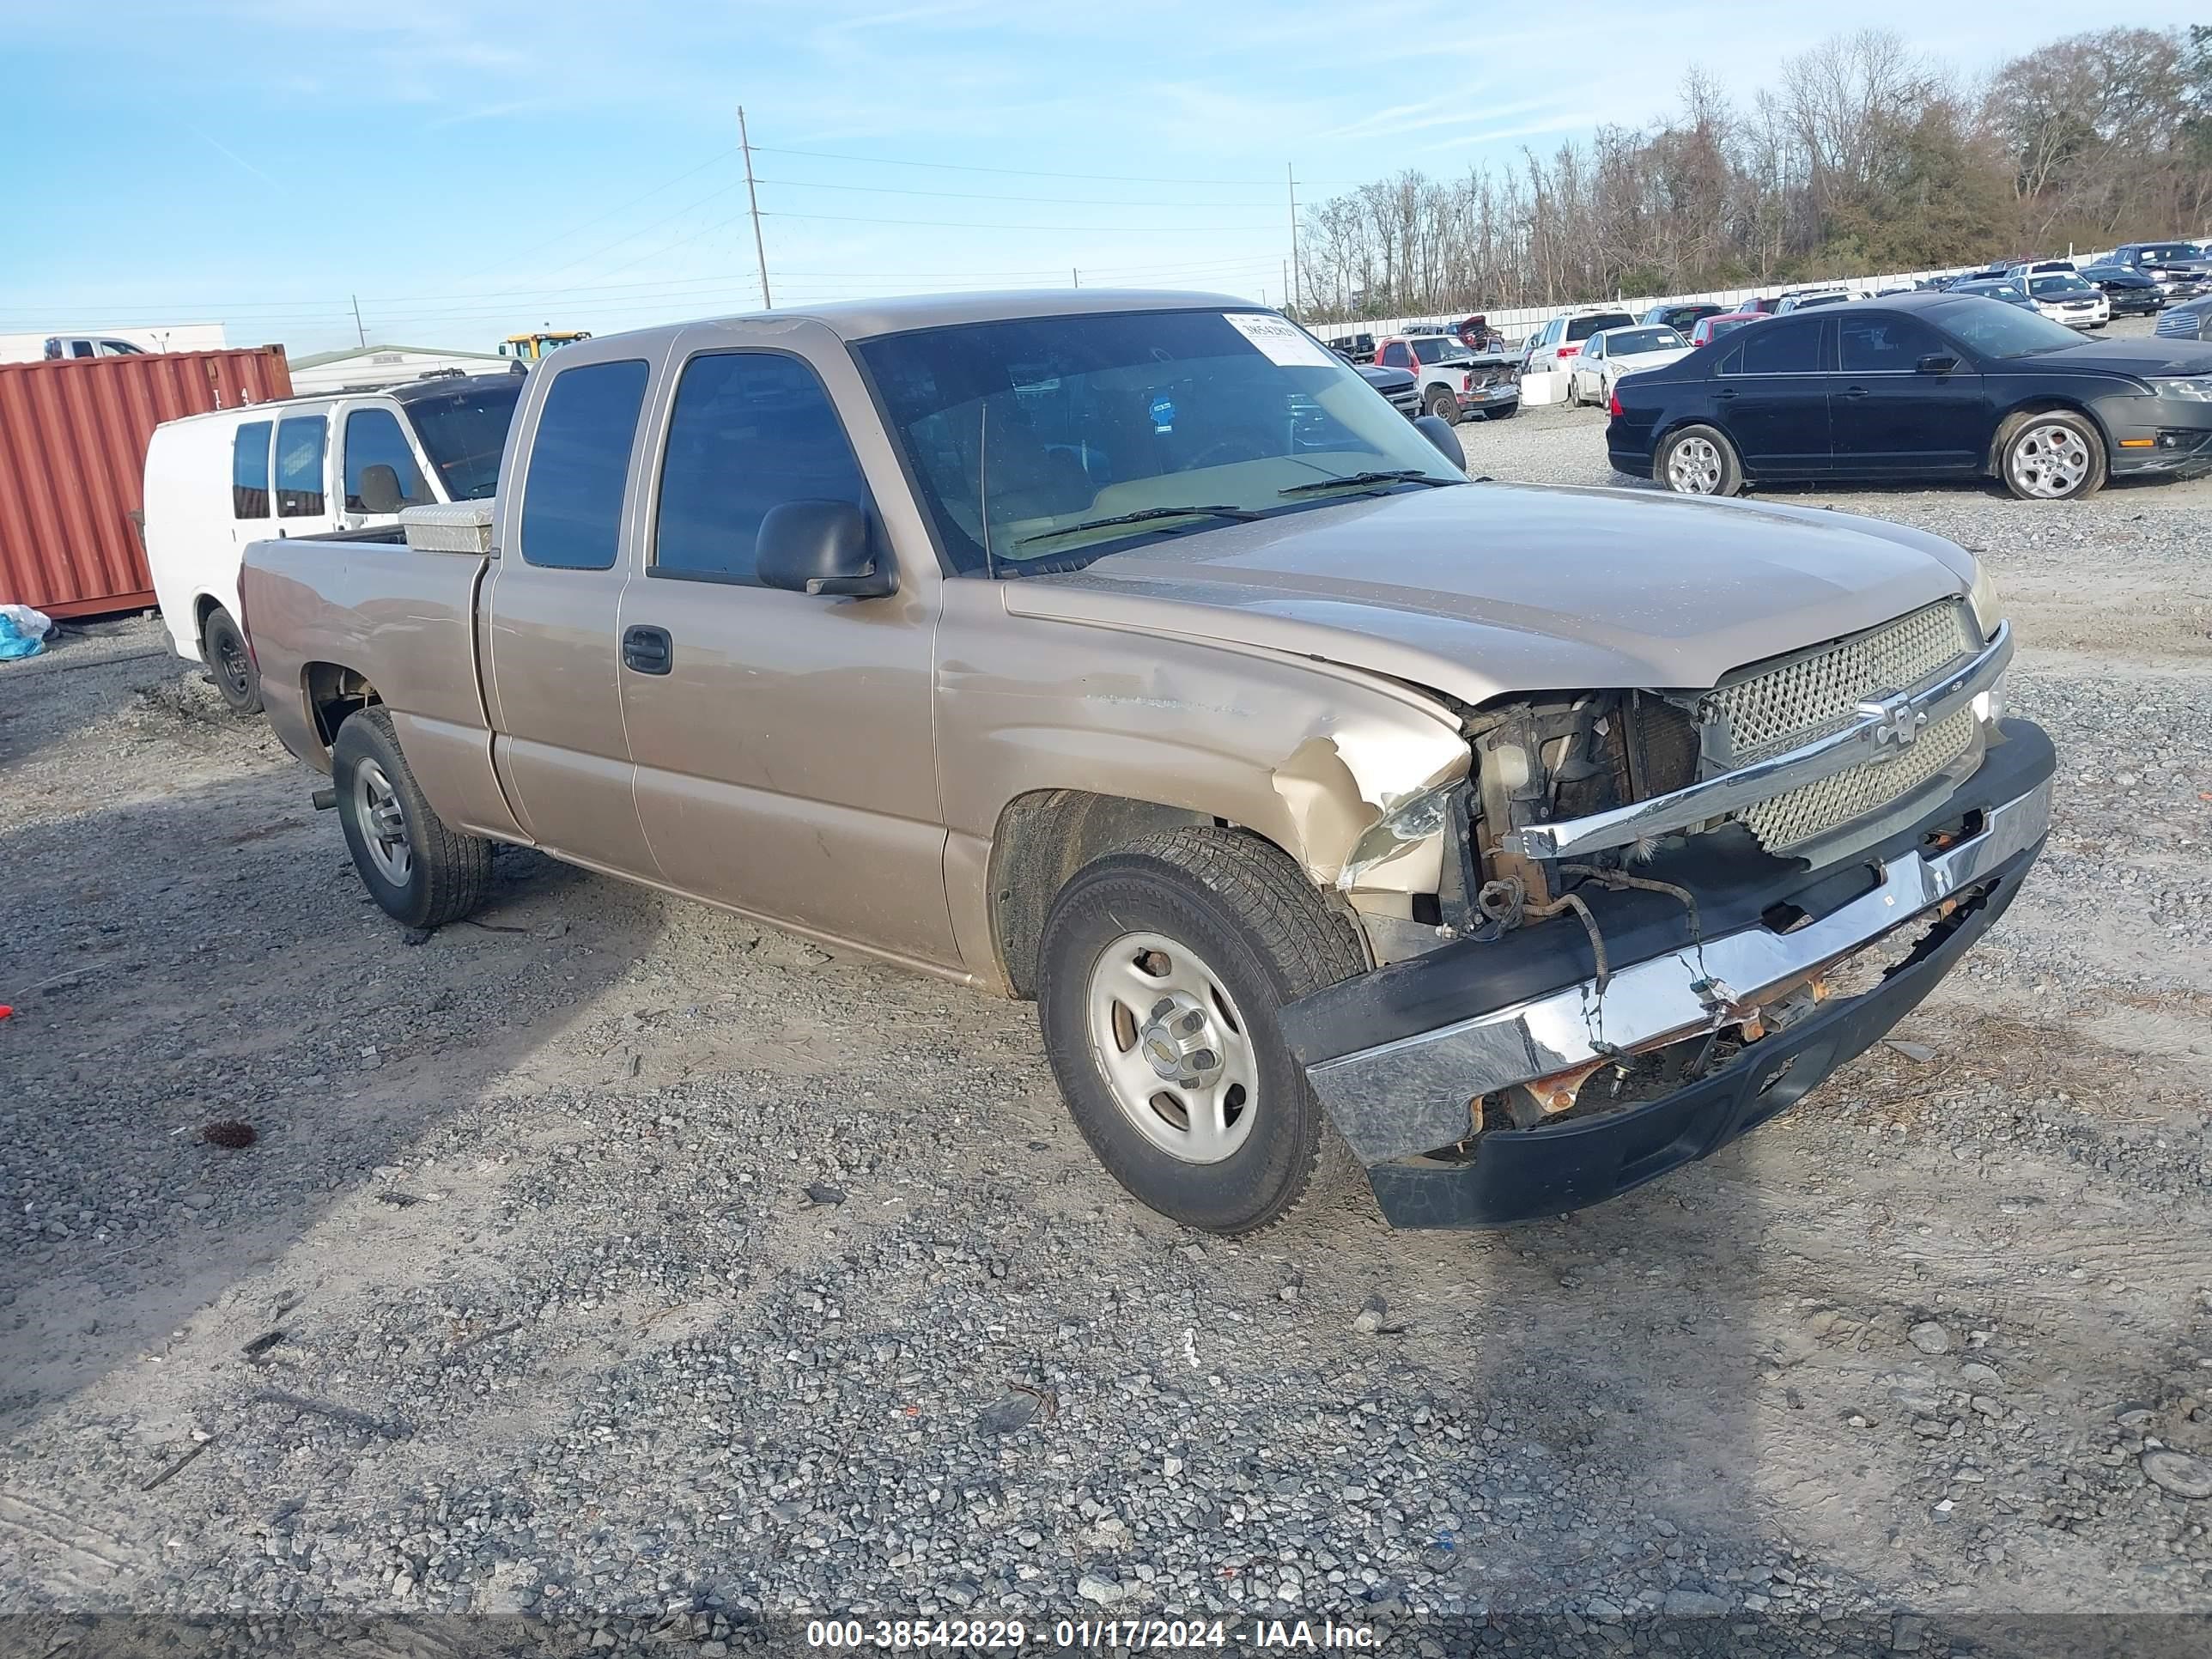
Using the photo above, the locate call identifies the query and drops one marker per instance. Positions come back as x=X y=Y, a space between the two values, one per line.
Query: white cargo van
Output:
x=303 y=467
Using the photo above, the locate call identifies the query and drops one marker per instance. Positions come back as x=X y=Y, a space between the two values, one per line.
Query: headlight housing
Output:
x=1982 y=597
x=2197 y=388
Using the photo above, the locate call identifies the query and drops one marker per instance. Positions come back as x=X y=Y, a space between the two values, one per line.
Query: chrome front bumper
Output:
x=1879 y=733
x=1411 y=1094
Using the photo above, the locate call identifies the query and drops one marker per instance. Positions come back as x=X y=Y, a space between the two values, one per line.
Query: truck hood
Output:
x=1481 y=591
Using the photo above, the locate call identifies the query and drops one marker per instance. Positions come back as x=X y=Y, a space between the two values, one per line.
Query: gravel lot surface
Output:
x=614 y=1261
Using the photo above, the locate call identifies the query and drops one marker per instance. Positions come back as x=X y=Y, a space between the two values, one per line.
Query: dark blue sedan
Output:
x=1928 y=385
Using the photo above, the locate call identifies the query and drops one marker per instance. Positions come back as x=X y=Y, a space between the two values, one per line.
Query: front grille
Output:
x=1809 y=695
x=1768 y=710
x=2178 y=325
x=1802 y=815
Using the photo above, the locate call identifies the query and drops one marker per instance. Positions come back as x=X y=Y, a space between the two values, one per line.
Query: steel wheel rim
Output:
x=1694 y=467
x=1172 y=1047
x=383 y=824
x=232 y=664
x=2049 y=461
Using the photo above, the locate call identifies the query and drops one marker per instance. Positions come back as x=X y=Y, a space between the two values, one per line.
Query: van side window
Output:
x=572 y=497
x=249 y=472
x=750 y=431
x=372 y=438
x=301 y=443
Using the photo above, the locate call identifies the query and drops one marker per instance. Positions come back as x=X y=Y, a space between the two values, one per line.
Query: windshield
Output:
x=1716 y=326
x=2162 y=251
x=1994 y=290
x=1438 y=349
x=1630 y=341
x=463 y=432
x=1032 y=432
x=1581 y=328
x=2066 y=283
x=2002 y=330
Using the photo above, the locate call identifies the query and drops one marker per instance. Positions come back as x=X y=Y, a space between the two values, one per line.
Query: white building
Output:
x=386 y=365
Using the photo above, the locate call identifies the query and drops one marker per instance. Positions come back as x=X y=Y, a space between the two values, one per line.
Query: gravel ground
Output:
x=615 y=1265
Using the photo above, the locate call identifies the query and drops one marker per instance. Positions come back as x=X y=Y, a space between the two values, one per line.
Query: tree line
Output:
x=1864 y=157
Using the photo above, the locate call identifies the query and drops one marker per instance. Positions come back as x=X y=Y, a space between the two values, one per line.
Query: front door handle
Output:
x=1855 y=391
x=1725 y=395
x=647 y=650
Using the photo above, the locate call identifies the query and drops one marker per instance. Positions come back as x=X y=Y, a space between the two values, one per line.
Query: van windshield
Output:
x=1054 y=441
x=463 y=432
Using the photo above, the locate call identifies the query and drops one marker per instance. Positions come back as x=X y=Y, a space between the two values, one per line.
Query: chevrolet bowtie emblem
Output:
x=1897 y=722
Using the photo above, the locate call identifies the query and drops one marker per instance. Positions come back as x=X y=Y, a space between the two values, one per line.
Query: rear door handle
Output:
x=1855 y=391
x=647 y=650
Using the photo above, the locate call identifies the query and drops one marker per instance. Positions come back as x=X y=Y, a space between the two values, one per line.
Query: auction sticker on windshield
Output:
x=1283 y=342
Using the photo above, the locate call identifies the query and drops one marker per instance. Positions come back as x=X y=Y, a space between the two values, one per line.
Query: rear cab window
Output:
x=572 y=494
x=749 y=431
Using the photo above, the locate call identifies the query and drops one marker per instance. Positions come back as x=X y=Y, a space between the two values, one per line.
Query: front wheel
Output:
x=1161 y=973
x=1444 y=405
x=2054 y=455
x=1698 y=460
x=236 y=679
x=417 y=870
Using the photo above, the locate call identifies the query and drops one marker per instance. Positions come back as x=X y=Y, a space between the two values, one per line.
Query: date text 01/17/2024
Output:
x=1131 y=1635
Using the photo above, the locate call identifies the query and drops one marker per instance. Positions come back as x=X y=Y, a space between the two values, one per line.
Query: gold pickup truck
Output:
x=1130 y=653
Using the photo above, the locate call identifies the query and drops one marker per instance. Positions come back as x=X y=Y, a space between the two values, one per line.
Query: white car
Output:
x=1613 y=352
x=304 y=466
x=2067 y=297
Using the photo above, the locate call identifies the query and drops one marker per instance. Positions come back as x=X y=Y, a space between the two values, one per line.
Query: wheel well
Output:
x=1043 y=839
x=2043 y=406
x=336 y=692
x=204 y=607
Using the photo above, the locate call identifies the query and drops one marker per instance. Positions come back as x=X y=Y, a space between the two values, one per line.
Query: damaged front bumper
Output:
x=1403 y=1058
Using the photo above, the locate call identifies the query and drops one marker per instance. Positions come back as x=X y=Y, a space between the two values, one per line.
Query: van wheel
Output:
x=2052 y=455
x=231 y=665
x=1699 y=461
x=420 y=872
x=1161 y=972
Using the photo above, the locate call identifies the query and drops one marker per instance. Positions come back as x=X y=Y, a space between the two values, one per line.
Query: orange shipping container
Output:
x=73 y=438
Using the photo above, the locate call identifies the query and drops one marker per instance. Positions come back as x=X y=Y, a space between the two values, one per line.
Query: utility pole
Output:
x=752 y=200
x=357 y=328
x=1286 y=284
x=1075 y=276
x=1291 y=302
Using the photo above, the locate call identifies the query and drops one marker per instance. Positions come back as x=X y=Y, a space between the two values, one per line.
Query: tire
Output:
x=230 y=664
x=1502 y=411
x=434 y=875
x=1713 y=470
x=2051 y=455
x=1441 y=403
x=1232 y=930
x=1574 y=391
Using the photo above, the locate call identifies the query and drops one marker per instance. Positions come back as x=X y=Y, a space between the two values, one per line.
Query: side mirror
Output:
x=1937 y=362
x=821 y=547
x=379 y=490
x=1439 y=431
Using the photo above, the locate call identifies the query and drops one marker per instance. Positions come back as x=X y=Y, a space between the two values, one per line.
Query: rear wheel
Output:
x=230 y=664
x=2052 y=455
x=1699 y=461
x=1161 y=973
x=420 y=872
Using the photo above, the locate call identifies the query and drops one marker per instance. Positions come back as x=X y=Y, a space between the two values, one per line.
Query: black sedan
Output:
x=2132 y=293
x=1920 y=386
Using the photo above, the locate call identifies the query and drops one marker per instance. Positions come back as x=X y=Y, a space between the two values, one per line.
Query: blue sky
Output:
x=470 y=168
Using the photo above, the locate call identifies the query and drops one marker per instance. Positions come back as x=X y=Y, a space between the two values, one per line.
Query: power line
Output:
x=979 y=224
x=1016 y=173
x=982 y=196
x=615 y=212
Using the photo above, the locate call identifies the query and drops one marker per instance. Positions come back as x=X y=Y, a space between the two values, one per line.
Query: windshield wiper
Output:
x=1406 y=475
x=1143 y=515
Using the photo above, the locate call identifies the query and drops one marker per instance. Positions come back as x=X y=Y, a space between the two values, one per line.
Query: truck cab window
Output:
x=301 y=444
x=249 y=472
x=372 y=438
x=750 y=431
x=572 y=497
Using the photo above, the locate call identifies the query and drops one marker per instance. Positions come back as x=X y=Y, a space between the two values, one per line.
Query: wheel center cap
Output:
x=1178 y=1041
